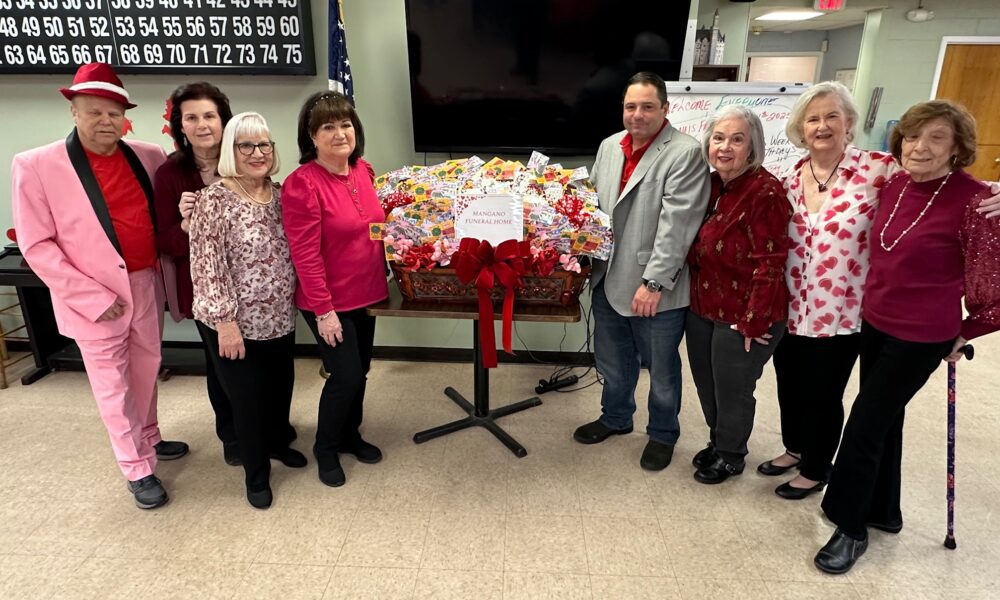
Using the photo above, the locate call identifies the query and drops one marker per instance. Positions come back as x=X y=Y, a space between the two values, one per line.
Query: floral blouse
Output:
x=738 y=258
x=240 y=264
x=828 y=262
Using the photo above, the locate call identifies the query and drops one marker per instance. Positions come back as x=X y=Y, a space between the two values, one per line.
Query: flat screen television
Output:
x=522 y=75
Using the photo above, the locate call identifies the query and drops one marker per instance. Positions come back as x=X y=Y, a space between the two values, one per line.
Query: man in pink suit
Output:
x=83 y=212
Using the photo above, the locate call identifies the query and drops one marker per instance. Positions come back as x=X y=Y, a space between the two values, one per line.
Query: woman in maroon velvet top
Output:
x=930 y=247
x=198 y=114
x=739 y=300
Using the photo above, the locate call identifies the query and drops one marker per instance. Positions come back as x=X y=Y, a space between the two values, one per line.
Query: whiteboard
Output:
x=692 y=104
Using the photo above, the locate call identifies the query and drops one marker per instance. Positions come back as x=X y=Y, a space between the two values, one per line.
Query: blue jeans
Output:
x=624 y=344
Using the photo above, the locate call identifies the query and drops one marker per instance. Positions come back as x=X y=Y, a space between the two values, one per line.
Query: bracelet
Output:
x=324 y=317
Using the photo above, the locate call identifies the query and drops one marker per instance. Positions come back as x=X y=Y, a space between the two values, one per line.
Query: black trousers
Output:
x=224 y=427
x=341 y=403
x=726 y=375
x=259 y=388
x=866 y=481
x=812 y=374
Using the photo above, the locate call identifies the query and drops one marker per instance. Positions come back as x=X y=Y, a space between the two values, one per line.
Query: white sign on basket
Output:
x=495 y=218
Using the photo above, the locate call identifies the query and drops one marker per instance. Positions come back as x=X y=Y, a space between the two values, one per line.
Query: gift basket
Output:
x=431 y=260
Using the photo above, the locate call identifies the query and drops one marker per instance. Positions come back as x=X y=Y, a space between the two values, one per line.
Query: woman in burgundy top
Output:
x=198 y=114
x=328 y=204
x=930 y=247
x=739 y=301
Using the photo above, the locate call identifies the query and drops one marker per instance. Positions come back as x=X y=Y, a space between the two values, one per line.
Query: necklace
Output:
x=881 y=235
x=252 y=197
x=349 y=184
x=833 y=173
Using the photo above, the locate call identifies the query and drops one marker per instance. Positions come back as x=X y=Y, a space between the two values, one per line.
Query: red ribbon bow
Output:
x=477 y=260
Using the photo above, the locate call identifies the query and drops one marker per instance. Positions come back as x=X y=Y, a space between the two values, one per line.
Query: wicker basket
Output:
x=442 y=285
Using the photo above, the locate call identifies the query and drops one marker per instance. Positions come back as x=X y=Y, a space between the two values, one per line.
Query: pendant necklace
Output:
x=881 y=235
x=823 y=186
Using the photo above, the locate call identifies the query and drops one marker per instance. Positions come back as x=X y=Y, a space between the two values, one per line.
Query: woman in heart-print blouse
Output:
x=834 y=195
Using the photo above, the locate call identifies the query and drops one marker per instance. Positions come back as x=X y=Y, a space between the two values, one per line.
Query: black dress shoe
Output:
x=717 y=472
x=364 y=452
x=261 y=499
x=331 y=473
x=789 y=492
x=596 y=432
x=890 y=527
x=772 y=470
x=705 y=457
x=840 y=553
x=290 y=457
x=170 y=450
x=656 y=456
x=231 y=454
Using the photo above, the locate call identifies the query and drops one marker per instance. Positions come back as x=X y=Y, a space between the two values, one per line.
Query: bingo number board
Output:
x=271 y=37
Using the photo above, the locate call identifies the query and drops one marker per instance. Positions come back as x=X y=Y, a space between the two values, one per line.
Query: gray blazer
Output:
x=655 y=218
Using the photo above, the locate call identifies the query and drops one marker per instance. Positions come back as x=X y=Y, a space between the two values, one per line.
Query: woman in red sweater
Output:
x=739 y=301
x=930 y=248
x=327 y=206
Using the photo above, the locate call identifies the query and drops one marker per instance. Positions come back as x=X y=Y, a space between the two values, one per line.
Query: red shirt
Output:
x=632 y=157
x=128 y=207
x=915 y=291
x=738 y=259
x=326 y=220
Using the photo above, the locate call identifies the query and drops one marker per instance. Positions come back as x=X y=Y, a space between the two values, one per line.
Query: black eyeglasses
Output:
x=247 y=149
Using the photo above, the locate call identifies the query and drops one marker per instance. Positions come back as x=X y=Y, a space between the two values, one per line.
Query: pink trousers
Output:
x=122 y=372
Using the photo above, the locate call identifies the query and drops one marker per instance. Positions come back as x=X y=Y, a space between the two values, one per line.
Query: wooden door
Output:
x=970 y=74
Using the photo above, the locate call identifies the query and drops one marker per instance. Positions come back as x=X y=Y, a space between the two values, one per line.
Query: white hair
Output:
x=250 y=124
x=737 y=111
x=796 y=119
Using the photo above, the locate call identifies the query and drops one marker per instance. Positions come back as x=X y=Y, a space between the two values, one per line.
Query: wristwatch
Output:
x=653 y=285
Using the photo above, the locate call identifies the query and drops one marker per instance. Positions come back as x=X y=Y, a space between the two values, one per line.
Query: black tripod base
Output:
x=473 y=420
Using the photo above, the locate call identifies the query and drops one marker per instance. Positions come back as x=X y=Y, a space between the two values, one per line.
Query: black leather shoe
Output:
x=148 y=492
x=596 y=432
x=231 y=454
x=170 y=450
x=717 y=472
x=261 y=499
x=705 y=457
x=331 y=473
x=840 y=553
x=789 y=492
x=290 y=457
x=890 y=527
x=656 y=456
x=364 y=452
x=772 y=470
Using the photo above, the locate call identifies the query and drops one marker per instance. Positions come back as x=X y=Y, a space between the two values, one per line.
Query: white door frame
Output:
x=818 y=55
x=957 y=39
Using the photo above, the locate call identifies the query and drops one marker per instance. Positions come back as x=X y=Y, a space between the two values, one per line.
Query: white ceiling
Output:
x=853 y=14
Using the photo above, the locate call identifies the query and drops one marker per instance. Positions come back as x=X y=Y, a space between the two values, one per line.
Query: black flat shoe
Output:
x=705 y=457
x=772 y=470
x=364 y=452
x=290 y=457
x=331 y=473
x=656 y=456
x=596 y=432
x=840 y=553
x=789 y=492
x=890 y=527
x=261 y=499
x=717 y=472
x=170 y=450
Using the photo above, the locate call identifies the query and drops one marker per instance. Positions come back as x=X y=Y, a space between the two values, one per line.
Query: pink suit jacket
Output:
x=65 y=233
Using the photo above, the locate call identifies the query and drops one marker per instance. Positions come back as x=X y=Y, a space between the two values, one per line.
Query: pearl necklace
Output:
x=252 y=197
x=885 y=227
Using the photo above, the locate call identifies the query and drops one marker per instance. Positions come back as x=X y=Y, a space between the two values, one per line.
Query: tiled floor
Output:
x=460 y=517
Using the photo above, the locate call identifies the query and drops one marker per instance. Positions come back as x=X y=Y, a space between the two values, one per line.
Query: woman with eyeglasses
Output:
x=329 y=202
x=244 y=298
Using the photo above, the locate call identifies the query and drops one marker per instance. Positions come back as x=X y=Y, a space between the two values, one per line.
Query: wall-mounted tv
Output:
x=522 y=75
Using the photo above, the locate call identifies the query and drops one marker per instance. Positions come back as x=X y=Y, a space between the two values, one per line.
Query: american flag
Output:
x=339 y=71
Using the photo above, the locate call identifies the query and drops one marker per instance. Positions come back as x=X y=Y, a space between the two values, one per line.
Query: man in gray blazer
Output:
x=652 y=180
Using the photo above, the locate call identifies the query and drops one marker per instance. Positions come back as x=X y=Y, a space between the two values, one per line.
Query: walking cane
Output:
x=949 y=540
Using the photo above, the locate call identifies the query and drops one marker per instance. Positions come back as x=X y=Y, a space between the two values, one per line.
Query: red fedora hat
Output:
x=97 y=79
